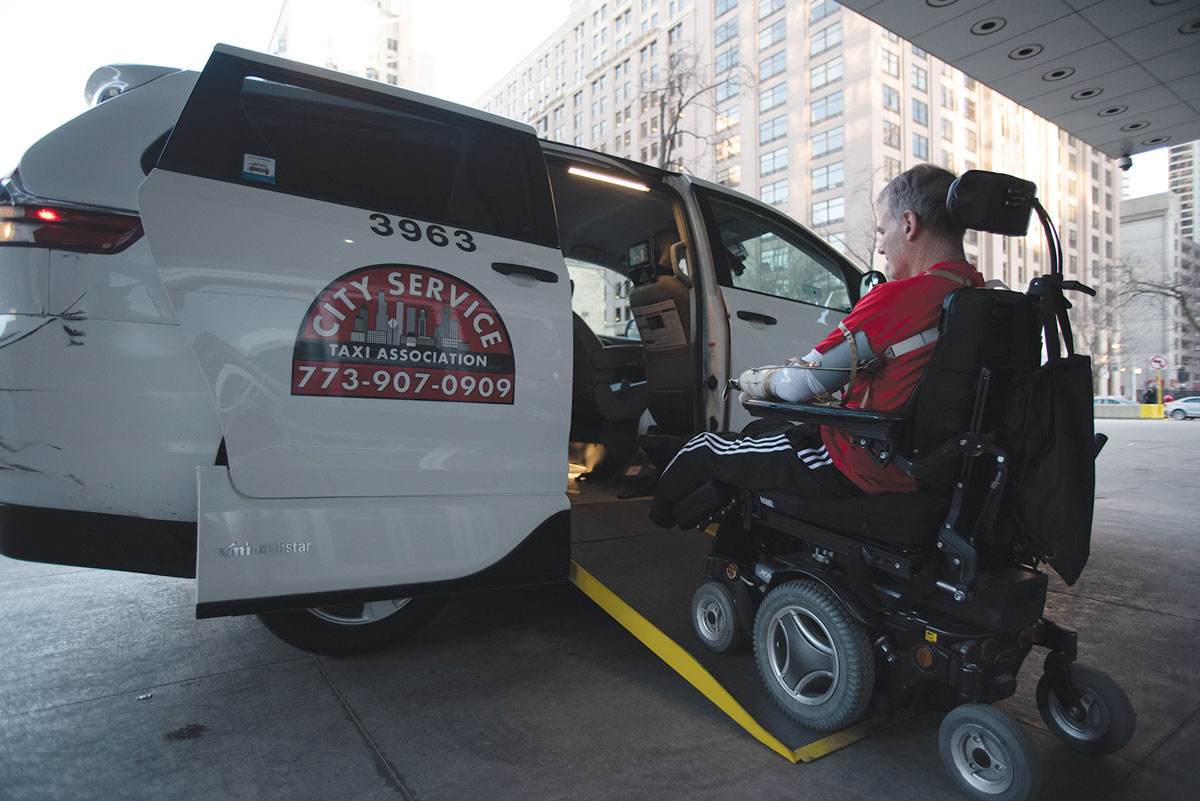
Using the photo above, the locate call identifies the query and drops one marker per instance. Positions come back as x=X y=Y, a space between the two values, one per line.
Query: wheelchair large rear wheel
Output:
x=813 y=656
x=988 y=755
x=1106 y=720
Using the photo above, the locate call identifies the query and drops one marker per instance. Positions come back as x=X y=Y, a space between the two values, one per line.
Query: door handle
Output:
x=755 y=317
x=536 y=273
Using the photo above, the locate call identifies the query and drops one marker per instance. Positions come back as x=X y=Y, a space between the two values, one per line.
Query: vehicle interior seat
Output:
x=608 y=392
x=670 y=374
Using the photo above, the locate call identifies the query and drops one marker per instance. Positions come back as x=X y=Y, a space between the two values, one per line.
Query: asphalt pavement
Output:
x=110 y=689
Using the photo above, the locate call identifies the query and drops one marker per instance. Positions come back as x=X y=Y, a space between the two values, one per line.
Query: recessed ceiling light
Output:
x=1025 y=51
x=989 y=25
x=1190 y=27
x=1087 y=94
x=1156 y=140
x=1059 y=74
x=1112 y=111
x=940 y=3
x=1136 y=126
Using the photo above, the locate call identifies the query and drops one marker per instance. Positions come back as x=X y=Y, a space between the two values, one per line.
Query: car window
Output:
x=255 y=125
x=600 y=297
x=761 y=253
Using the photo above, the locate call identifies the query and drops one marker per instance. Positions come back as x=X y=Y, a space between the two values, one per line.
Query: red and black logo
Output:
x=403 y=332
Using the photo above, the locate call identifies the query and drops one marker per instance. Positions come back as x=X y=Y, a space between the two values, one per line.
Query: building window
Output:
x=831 y=176
x=774 y=193
x=818 y=9
x=948 y=98
x=773 y=161
x=826 y=38
x=968 y=108
x=827 y=107
x=947 y=130
x=772 y=129
x=891 y=166
x=726 y=31
x=723 y=6
x=728 y=117
x=675 y=34
x=921 y=147
x=772 y=34
x=727 y=59
x=393 y=44
x=891 y=134
x=827 y=142
x=918 y=52
x=768 y=7
x=730 y=176
x=827 y=212
x=972 y=141
x=920 y=112
x=891 y=63
x=773 y=65
x=948 y=160
x=837 y=241
x=728 y=88
x=920 y=79
x=827 y=73
x=730 y=147
x=891 y=99
x=771 y=98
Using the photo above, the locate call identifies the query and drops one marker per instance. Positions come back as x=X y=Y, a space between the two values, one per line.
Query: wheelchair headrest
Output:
x=992 y=202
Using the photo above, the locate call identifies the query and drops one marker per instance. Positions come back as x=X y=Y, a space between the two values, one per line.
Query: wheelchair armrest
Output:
x=855 y=422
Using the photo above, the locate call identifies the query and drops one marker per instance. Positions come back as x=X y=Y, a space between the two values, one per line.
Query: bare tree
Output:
x=687 y=84
x=1137 y=280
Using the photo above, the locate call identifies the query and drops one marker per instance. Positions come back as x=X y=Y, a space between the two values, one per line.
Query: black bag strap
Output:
x=1052 y=312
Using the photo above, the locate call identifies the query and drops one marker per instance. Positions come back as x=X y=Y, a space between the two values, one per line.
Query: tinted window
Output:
x=763 y=253
x=355 y=147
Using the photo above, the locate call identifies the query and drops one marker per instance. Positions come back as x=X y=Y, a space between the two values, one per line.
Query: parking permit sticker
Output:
x=403 y=332
x=258 y=168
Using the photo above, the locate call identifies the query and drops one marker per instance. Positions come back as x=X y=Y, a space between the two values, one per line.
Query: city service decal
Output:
x=403 y=332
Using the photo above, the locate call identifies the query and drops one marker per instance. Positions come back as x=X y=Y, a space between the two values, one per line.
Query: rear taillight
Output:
x=62 y=228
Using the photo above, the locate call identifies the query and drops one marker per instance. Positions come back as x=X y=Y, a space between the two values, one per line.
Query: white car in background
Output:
x=309 y=338
x=1183 y=408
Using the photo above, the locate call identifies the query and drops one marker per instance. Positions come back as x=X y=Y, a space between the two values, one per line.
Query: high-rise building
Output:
x=1183 y=178
x=812 y=108
x=1165 y=265
x=369 y=38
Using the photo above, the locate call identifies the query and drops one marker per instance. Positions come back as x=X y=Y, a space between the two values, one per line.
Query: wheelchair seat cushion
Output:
x=907 y=519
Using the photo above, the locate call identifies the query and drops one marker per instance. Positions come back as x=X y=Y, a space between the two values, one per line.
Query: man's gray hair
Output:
x=922 y=190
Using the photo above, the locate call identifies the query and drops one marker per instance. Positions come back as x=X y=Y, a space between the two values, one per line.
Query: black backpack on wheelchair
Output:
x=936 y=596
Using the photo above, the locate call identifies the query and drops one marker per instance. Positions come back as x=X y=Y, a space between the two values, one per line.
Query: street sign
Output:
x=1158 y=362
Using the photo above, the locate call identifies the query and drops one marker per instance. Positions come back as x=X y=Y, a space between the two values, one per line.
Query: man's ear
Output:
x=909 y=221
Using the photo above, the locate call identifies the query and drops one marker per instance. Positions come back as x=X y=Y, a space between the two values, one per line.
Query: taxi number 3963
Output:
x=413 y=232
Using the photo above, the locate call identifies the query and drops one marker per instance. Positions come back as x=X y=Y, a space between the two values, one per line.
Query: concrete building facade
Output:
x=1183 y=178
x=1159 y=255
x=812 y=108
x=368 y=38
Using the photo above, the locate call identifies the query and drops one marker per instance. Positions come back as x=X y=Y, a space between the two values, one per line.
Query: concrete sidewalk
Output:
x=110 y=689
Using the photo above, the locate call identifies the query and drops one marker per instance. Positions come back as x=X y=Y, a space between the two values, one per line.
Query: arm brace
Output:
x=820 y=374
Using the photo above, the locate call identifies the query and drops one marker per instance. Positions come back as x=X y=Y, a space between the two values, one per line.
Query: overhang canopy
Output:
x=1122 y=75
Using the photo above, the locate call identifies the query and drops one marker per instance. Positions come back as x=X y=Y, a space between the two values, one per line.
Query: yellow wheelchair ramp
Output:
x=645 y=580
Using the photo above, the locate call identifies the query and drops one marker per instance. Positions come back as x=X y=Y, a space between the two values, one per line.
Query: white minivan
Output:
x=310 y=338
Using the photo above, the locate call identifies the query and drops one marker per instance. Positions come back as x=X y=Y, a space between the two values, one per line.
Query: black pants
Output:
x=792 y=459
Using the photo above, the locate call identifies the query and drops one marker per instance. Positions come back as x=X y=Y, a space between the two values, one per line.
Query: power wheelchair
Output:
x=933 y=597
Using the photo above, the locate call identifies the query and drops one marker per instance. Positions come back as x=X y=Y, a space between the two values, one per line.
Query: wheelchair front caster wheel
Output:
x=715 y=619
x=1105 y=721
x=988 y=755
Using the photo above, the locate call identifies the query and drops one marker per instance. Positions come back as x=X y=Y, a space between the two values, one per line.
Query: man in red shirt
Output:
x=925 y=262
